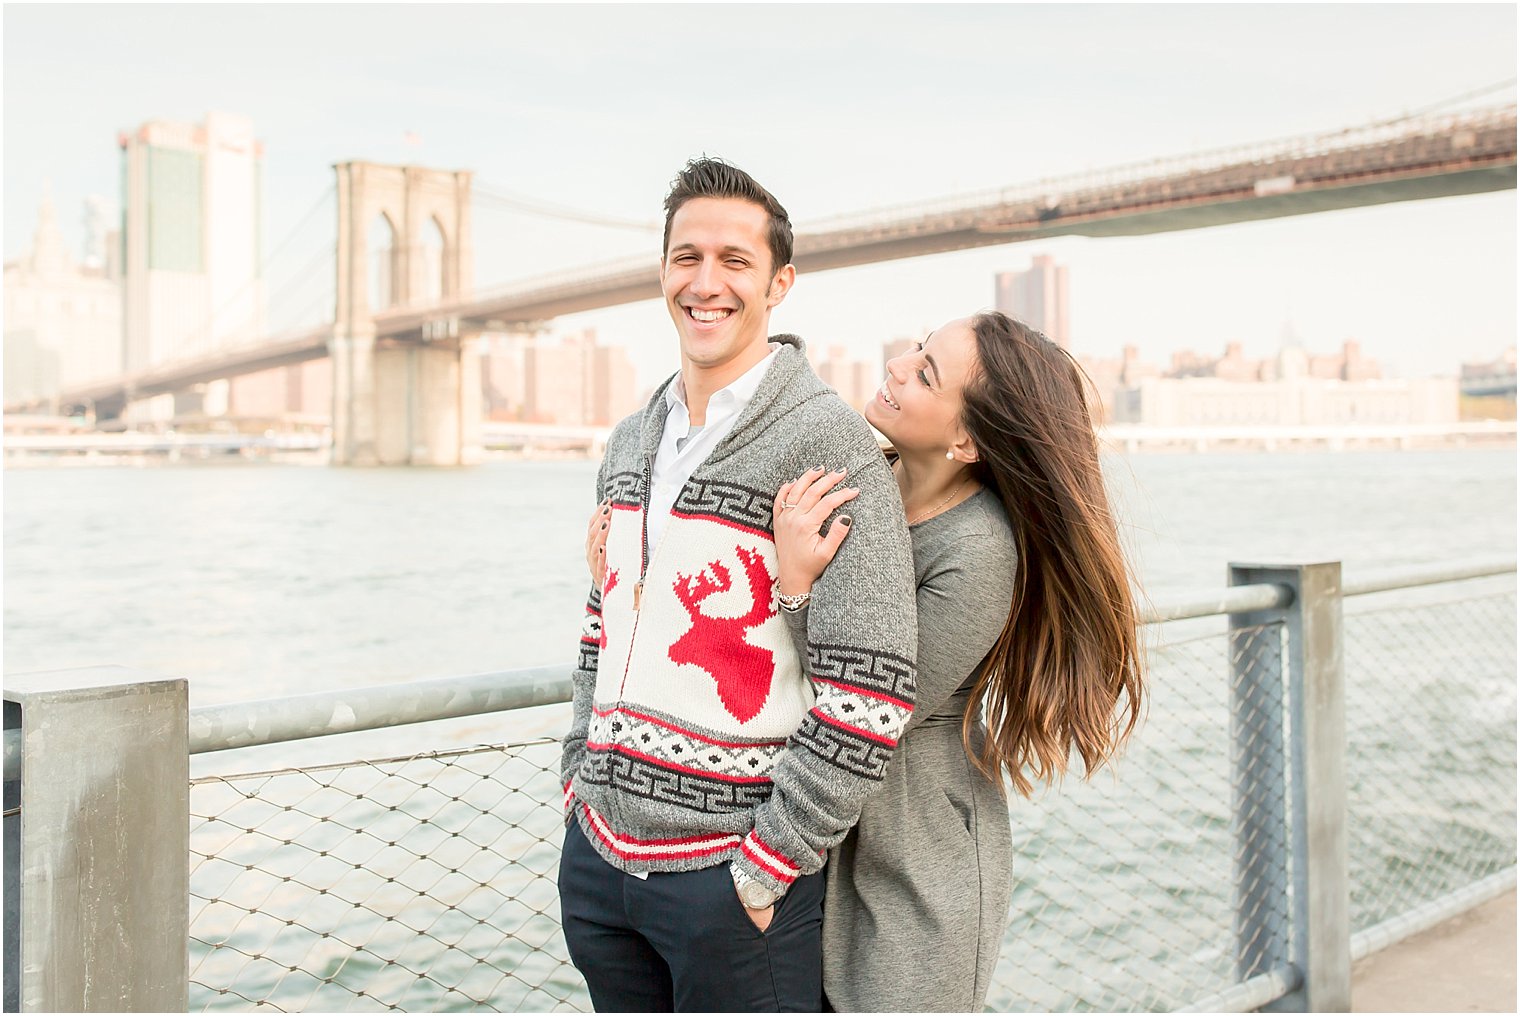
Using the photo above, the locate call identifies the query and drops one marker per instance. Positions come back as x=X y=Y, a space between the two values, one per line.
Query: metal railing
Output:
x=1331 y=772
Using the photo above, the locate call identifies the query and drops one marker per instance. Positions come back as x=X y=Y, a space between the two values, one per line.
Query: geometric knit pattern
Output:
x=873 y=672
x=733 y=503
x=631 y=777
x=844 y=748
x=644 y=735
x=623 y=489
x=879 y=719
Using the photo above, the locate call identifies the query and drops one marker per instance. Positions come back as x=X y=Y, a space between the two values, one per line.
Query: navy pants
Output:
x=682 y=942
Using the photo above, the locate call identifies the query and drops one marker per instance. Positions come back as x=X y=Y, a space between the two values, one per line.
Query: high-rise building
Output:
x=191 y=206
x=192 y=197
x=554 y=383
x=1038 y=297
x=62 y=320
x=503 y=388
x=613 y=393
x=577 y=382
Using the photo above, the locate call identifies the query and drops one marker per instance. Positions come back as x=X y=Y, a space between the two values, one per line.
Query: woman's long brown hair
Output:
x=1066 y=672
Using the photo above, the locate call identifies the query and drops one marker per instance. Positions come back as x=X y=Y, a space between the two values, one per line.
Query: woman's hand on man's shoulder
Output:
x=798 y=514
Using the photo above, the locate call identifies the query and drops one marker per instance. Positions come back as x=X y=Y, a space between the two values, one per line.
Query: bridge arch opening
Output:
x=382 y=263
x=430 y=248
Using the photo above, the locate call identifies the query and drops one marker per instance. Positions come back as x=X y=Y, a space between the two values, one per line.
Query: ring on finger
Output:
x=788 y=504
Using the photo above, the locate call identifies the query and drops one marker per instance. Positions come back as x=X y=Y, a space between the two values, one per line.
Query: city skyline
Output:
x=1423 y=286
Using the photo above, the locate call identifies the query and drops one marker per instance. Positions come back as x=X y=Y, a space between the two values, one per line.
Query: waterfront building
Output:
x=1488 y=388
x=62 y=318
x=613 y=392
x=1295 y=387
x=1346 y=365
x=554 y=383
x=1109 y=382
x=1232 y=366
x=1286 y=393
x=1039 y=297
x=1491 y=378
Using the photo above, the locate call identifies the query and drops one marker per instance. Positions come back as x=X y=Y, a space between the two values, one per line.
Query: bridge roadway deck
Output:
x=1466 y=964
x=1462 y=158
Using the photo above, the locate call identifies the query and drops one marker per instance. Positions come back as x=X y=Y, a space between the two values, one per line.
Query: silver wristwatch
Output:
x=754 y=895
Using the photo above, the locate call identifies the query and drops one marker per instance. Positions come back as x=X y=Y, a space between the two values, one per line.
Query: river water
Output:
x=256 y=580
x=261 y=580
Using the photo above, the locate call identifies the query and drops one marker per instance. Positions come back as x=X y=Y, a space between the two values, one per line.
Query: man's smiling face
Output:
x=719 y=283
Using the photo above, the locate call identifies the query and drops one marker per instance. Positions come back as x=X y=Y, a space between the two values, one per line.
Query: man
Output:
x=707 y=772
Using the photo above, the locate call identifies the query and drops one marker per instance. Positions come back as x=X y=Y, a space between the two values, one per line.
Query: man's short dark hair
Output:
x=714 y=178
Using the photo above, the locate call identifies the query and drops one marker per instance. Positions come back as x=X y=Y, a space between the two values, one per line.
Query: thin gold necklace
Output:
x=947 y=500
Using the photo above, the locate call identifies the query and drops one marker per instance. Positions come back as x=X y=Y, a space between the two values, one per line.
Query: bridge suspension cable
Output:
x=1476 y=93
x=492 y=195
x=202 y=332
x=298 y=283
x=295 y=230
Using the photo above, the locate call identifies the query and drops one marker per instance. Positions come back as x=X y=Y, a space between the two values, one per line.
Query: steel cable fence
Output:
x=415 y=884
x=1123 y=897
x=427 y=883
x=1430 y=744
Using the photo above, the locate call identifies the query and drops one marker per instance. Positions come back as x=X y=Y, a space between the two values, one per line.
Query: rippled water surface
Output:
x=256 y=580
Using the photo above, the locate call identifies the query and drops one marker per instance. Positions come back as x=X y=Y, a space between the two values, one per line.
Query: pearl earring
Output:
x=949 y=455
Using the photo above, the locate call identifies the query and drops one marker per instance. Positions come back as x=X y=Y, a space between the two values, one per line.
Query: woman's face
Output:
x=918 y=407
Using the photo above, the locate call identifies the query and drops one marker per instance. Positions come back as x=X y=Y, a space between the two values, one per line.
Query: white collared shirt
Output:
x=683 y=449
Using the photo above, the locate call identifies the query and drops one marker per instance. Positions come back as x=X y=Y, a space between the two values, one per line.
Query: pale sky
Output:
x=837 y=109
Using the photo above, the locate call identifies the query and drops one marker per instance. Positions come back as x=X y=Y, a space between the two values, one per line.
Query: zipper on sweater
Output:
x=638 y=587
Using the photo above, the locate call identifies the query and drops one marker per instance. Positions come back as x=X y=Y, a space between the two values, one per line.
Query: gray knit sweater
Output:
x=697 y=736
x=917 y=893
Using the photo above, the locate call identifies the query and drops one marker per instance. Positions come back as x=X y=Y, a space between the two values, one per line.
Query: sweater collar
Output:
x=777 y=393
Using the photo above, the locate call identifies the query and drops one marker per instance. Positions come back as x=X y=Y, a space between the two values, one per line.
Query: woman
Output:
x=1024 y=610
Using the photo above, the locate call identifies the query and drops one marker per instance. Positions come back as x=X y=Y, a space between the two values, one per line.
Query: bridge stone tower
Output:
x=412 y=398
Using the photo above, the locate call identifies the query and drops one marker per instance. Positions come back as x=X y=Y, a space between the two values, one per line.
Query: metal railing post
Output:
x=1259 y=818
x=1317 y=899
x=100 y=901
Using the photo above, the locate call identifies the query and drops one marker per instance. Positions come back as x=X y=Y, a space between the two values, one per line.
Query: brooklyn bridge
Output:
x=406 y=385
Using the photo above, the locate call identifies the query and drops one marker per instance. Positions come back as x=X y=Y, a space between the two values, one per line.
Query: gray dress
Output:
x=917 y=894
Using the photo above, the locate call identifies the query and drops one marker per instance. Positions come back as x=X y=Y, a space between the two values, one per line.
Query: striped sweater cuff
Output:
x=765 y=864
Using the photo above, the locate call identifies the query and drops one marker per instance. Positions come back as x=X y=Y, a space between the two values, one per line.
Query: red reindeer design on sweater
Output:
x=716 y=644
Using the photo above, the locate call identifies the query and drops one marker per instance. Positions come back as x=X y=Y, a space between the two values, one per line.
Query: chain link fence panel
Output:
x=1430 y=743
x=1125 y=886
x=417 y=884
